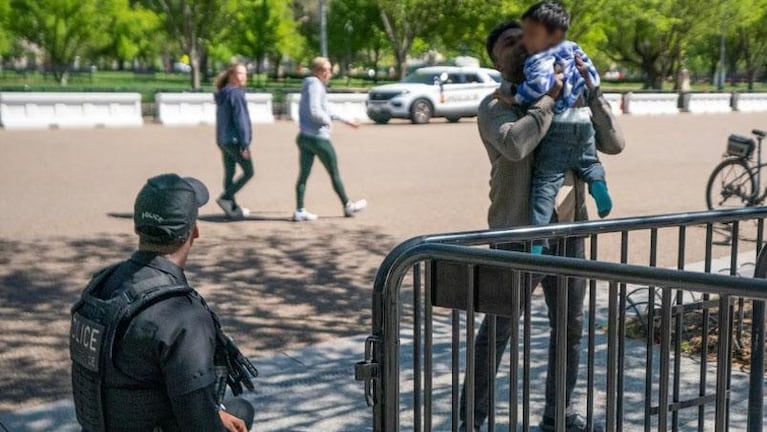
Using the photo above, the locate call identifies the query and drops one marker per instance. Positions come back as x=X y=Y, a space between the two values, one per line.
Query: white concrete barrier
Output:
x=616 y=102
x=704 y=103
x=750 y=102
x=651 y=103
x=260 y=107
x=348 y=105
x=44 y=110
x=186 y=109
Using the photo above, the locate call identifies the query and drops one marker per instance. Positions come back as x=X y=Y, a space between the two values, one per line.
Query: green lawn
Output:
x=149 y=84
x=608 y=86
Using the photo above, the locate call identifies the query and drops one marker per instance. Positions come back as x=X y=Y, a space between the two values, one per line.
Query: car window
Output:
x=421 y=78
x=455 y=78
x=472 y=78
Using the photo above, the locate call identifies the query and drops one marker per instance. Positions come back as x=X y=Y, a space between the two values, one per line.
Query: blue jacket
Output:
x=233 y=126
x=539 y=75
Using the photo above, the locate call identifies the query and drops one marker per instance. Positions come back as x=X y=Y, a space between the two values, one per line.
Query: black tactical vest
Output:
x=96 y=324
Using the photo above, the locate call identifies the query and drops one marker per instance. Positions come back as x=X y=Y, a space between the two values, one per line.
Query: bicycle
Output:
x=736 y=181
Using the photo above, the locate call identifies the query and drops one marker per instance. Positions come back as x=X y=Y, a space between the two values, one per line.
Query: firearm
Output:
x=239 y=370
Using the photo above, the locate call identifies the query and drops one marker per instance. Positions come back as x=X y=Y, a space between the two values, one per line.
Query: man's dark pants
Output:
x=575 y=297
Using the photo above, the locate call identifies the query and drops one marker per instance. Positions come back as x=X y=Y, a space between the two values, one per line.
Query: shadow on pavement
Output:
x=286 y=287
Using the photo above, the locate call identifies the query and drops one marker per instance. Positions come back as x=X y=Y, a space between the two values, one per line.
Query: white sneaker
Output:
x=301 y=215
x=226 y=205
x=353 y=207
x=240 y=212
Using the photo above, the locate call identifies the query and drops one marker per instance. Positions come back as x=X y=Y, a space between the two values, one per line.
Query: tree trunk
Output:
x=276 y=62
x=194 y=60
x=400 y=47
x=376 y=61
x=751 y=76
x=653 y=78
x=204 y=66
x=401 y=64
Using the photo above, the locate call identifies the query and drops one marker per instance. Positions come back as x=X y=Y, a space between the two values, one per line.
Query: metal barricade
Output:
x=456 y=279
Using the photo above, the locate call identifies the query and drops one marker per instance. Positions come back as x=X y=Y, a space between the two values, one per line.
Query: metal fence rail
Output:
x=469 y=280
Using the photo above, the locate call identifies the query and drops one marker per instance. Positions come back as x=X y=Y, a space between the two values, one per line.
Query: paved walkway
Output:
x=313 y=389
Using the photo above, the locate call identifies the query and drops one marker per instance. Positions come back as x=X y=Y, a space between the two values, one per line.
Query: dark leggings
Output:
x=233 y=157
x=309 y=147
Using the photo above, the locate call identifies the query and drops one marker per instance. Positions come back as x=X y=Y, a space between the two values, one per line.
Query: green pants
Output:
x=233 y=157
x=309 y=147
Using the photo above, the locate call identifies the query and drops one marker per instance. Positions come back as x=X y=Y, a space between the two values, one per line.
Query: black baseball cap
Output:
x=165 y=210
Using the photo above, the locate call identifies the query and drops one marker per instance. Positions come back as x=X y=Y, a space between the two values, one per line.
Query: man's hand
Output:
x=353 y=123
x=583 y=70
x=559 y=79
x=232 y=423
x=245 y=153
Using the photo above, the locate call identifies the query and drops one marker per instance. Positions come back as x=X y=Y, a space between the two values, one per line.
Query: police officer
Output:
x=147 y=352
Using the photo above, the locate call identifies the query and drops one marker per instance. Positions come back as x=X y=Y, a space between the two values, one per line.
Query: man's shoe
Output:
x=226 y=205
x=573 y=423
x=301 y=215
x=353 y=207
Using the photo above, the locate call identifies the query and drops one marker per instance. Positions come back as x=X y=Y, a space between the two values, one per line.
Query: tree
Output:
x=654 y=34
x=136 y=33
x=267 y=29
x=751 y=31
x=354 y=30
x=64 y=29
x=194 y=24
x=405 y=20
x=5 y=35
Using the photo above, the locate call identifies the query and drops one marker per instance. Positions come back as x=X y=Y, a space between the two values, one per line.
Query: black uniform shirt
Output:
x=169 y=345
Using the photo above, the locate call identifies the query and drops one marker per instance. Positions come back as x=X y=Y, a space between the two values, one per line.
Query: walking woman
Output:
x=233 y=134
x=314 y=140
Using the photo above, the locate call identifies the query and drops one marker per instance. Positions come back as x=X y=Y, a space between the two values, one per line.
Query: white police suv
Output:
x=436 y=91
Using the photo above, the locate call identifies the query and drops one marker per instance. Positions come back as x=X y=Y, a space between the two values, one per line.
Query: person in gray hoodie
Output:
x=315 y=119
x=233 y=135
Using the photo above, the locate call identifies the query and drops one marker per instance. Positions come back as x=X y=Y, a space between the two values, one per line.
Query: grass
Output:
x=149 y=84
x=612 y=86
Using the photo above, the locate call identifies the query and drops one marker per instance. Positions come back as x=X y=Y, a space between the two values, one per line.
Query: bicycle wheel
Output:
x=731 y=185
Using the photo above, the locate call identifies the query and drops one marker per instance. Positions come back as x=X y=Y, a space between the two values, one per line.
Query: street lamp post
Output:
x=323 y=28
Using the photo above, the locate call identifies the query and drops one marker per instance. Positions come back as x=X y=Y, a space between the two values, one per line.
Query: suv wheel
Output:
x=421 y=111
x=453 y=119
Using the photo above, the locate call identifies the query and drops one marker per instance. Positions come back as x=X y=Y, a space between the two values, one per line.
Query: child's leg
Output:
x=593 y=172
x=543 y=194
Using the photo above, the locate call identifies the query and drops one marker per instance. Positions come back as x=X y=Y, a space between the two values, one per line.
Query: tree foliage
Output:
x=5 y=35
x=64 y=29
x=654 y=35
x=405 y=20
x=135 y=32
x=267 y=30
x=194 y=24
